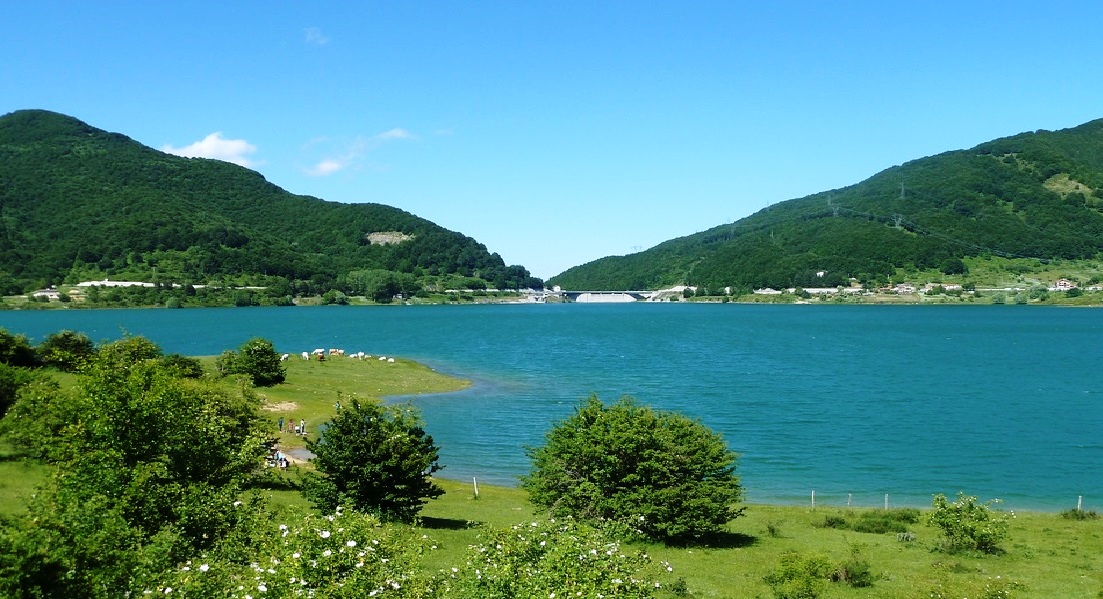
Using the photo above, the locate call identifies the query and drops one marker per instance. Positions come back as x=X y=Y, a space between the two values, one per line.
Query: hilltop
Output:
x=1036 y=196
x=78 y=203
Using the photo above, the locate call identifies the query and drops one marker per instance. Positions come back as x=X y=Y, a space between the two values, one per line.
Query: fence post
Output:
x=813 y=499
x=886 y=501
x=1079 y=503
x=475 y=484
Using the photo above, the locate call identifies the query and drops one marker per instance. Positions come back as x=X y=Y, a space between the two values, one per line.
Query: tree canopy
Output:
x=374 y=458
x=642 y=471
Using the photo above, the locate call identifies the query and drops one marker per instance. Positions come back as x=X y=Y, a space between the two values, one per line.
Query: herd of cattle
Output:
x=321 y=354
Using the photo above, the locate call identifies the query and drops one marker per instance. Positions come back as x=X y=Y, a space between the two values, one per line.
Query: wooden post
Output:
x=475 y=484
x=849 y=496
x=1079 y=503
x=813 y=499
x=886 y=501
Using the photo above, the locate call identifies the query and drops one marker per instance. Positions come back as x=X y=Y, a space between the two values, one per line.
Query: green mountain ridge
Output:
x=79 y=203
x=1033 y=195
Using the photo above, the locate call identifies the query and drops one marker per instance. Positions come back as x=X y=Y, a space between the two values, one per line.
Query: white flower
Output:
x=350 y=543
x=325 y=534
x=295 y=555
x=237 y=503
x=327 y=553
x=204 y=567
x=262 y=588
x=168 y=590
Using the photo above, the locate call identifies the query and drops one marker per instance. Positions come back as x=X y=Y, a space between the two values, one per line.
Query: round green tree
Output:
x=257 y=358
x=373 y=458
x=646 y=472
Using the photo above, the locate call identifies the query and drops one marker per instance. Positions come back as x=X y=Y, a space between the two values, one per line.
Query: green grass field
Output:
x=1047 y=556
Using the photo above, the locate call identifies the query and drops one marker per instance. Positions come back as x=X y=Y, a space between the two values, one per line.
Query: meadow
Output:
x=1047 y=555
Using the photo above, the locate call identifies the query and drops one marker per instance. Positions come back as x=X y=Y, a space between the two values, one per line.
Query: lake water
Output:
x=853 y=402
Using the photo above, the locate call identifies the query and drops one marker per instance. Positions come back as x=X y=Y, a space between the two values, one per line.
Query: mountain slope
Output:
x=1037 y=195
x=76 y=201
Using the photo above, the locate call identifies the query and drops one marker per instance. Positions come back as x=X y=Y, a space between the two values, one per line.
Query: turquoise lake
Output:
x=852 y=402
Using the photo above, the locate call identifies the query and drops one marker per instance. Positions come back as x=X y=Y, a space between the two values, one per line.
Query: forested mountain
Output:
x=1036 y=195
x=79 y=203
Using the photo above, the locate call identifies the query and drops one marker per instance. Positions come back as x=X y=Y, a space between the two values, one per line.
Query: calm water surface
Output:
x=854 y=402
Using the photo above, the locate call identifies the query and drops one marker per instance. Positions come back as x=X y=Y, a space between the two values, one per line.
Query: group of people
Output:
x=297 y=429
x=277 y=458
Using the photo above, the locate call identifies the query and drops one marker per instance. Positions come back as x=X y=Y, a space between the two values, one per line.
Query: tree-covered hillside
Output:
x=1036 y=195
x=78 y=203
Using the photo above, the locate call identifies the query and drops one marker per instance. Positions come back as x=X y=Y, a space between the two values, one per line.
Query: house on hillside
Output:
x=1063 y=285
x=51 y=294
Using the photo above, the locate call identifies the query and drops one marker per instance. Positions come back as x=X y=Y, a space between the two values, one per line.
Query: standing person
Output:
x=281 y=424
x=302 y=427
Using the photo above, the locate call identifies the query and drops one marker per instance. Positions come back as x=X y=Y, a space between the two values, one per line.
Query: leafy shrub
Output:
x=257 y=358
x=374 y=458
x=66 y=350
x=183 y=366
x=16 y=350
x=1075 y=514
x=553 y=558
x=855 y=571
x=12 y=379
x=643 y=472
x=342 y=555
x=969 y=525
x=874 y=521
x=800 y=576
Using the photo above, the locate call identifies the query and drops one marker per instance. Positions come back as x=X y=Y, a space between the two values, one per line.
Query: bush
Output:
x=799 y=576
x=1075 y=514
x=256 y=358
x=373 y=458
x=968 y=525
x=550 y=559
x=16 y=350
x=67 y=350
x=643 y=472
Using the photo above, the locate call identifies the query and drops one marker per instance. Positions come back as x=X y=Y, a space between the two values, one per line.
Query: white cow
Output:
x=306 y=356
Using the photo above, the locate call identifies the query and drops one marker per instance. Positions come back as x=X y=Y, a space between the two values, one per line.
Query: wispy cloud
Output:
x=215 y=146
x=315 y=36
x=351 y=156
x=396 y=133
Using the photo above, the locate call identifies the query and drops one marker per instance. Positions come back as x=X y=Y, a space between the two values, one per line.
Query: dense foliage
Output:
x=148 y=468
x=374 y=458
x=1036 y=195
x=79 y=204
x=967 y=524
x=638 y=471
x=256 y=358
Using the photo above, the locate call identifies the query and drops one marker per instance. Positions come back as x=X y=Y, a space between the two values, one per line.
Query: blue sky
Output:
x=559 y=132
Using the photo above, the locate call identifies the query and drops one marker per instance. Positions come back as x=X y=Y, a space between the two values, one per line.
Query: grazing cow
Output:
x=319 y=351
x=284 y=357
x=391 y=360
x=306 y=356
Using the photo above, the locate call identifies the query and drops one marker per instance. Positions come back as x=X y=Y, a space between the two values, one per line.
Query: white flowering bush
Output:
x=347 y=554
x=551 y=559
x=969 y=525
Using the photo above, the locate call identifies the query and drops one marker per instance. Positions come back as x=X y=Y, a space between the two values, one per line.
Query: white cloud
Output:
x=395 y=133
x=315 y=36
x=327 y=167
x=351 y=156
x=217 y=147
